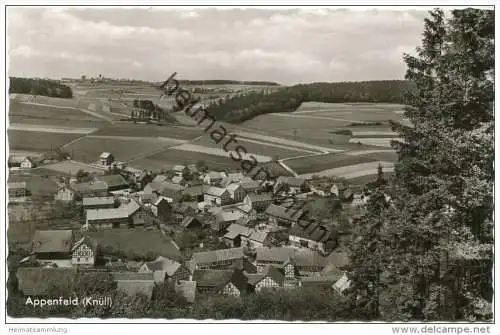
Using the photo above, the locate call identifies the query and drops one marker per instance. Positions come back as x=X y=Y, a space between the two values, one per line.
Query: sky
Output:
x=287 y=46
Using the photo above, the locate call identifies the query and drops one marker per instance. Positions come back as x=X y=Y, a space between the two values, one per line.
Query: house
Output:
x=258 y=238
x=142 y=180
x=190 y=222
x=342 y=284
x=164 y=188
x=136 y=213
x=179 y=170
x=106 y=159
x=337 y=189
x=221 y=259
x=134 y=283
x=53 y=246
x=278 y=256
x=214 y=178
x=107 y=218
x=228 y=282
x=319 y=281
x=236 y=192
x=313 y=236
x=359 y=200
x=41 y=281
x=283 y=216
x=165 y=269
x=98 y=202
x=177 y=179
x=187 y=289
x=216 y=196
x=85 y=252
x=299 y=261
x=21 y=162
x=236 y=235
x=291 y=185
x=258 y=201
x=17 y=189
x=115 y=182
x=247 y=210
x=251 y=186
x=90 y=189
x=224 y=219
x=195 y=192
x=236 y=178
x=162 y=207
x=65 y=193
x=270 y=278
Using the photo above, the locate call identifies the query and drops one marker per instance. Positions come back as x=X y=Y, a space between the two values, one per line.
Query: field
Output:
x=37 y=113
x=38 y=186
x=168 y=158
x=66 y=167
x=323 y=162
x=38 y=141
x=353 y=171
x=137 y=241
x=149 y=130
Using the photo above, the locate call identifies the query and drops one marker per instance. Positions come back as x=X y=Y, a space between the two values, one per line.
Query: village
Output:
x=238 y=235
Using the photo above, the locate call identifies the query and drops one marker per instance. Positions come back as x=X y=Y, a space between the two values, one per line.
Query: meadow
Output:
x=38 y=141
x=322 y=162
x=88 y=149
x=149 y=130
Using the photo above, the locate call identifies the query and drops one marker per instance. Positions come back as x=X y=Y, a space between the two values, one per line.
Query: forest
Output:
x=43 y=87
x=242 y=107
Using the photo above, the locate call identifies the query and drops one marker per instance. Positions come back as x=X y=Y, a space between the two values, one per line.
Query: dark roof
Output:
x=190 y=221
x=290 y=214
x=219 y=278
x=114 y=180
x=35 y=281
x=218 y=255
x=320 y=280
x=97 y=186
x=52 y=241
x=312 y=231
x=275 y=273
x=195 y=190
x=250 y=185
x=299 y=257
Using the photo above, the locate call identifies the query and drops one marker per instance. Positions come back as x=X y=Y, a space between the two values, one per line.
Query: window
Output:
x=78 y=259
x=86 y=259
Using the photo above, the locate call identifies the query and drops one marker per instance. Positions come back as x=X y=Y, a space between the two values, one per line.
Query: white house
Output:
x=236 y=191
x=84 y=252
x=106 y=159
x=214 y=178
x=216 y=196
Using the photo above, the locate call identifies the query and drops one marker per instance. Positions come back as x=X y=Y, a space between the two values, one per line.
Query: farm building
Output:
x=21 y=162
x=216 y=196
x=251 y=186
x=85 y=252
x=90 y=189
x=114 y=182
x=214 y=178
x=228 y=282
x=195 y=192
x=236 y=192
x=190 y=222
x=165 y=269
x=53 y=246
x=270 y=278
x=65 y=193
x=223 y=219
x=291 y=185
x=162 y=207
x=165 y=188
x=283 y=216
x=106 y=159
x=98 y=202
x=17 y=189
x=258 y=201
x=222 y=259
x=235 y=235
x=313 y=236
x=127 y=215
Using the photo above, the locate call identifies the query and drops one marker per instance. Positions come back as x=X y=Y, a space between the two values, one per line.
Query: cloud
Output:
x=289 y=46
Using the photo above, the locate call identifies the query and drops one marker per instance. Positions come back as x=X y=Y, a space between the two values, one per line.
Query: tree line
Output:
x=45 y=87
x=242 y=107
x=425 y=243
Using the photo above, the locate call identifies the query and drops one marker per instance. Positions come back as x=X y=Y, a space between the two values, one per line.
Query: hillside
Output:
x=246 y=106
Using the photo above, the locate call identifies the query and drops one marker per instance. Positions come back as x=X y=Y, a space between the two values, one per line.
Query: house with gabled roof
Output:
x=106 y=159
x=251 y=186
x=283 y=216
x=85 y=252
x=165 y=269
x=216 y=196
x=236 y=192
x=90 y=189
x=21 y=162
x=228 y=282
x=217 y=259
x=114 y=182
x=214 y=178
x=53 y=246
x=235 y=235
x=191 y=222
x=224 y=218
x=180 y=169
x=258 y=201
x=98 y=202
x=313 y=236
x=290 y=185
x=162 y=207
x=270 y=278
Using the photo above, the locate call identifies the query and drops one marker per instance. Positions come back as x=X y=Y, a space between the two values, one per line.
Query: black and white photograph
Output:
x=250 y=164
